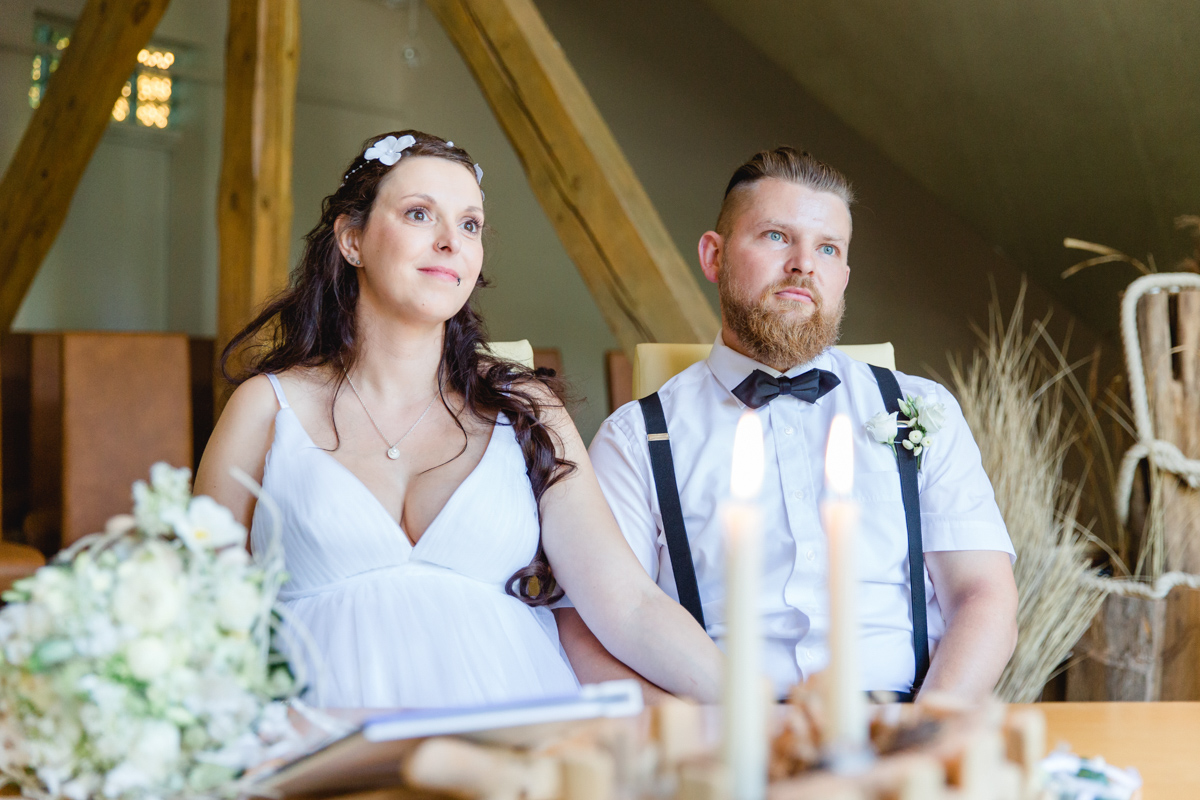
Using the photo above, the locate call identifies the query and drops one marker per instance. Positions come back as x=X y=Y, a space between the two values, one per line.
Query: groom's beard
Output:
x=771 y=333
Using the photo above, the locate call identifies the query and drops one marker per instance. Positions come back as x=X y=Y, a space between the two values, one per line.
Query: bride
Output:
x=435 y=500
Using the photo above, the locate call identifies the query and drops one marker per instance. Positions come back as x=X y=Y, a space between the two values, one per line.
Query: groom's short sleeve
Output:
x=622 y=465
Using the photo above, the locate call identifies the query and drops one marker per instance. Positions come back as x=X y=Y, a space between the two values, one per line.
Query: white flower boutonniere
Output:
x=925 y=418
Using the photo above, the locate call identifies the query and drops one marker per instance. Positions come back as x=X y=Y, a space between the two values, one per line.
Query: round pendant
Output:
x=393 y=452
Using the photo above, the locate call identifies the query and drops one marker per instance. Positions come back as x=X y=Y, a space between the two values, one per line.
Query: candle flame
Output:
x=839 y=457
x=747 y=477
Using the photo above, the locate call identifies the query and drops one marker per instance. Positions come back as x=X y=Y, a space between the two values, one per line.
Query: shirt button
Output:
x=808 y=654
x=789 y=430
x=798 y=495
x=810 y=555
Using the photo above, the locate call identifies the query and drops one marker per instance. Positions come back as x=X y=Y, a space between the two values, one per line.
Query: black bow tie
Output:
x=760 y=388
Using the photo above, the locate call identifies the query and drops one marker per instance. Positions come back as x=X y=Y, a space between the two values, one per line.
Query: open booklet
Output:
x=370 y=756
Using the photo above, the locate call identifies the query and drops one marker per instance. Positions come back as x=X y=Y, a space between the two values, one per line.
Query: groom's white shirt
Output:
x=958 y=508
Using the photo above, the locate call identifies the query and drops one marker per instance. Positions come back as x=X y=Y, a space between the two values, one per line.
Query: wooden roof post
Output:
x=603 y=216
x=254 y=212
x=41 y=179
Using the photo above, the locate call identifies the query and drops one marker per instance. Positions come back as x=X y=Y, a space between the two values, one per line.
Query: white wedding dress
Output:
x=396 y=625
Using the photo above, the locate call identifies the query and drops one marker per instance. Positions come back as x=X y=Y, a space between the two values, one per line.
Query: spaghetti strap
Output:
x=283 y=403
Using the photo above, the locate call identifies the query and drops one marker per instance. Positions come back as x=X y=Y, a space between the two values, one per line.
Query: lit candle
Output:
x=745 y=701
x=846 y=704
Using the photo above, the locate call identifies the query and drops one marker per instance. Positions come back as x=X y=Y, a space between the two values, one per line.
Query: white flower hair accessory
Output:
x=387 y=151
x=925 y=418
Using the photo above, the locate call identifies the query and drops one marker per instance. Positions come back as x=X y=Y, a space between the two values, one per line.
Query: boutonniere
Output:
x=924 y=420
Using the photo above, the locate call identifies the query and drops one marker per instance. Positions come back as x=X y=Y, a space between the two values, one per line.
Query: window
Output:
x=145 y=99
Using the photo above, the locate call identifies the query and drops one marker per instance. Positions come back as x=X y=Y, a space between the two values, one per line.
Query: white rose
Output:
x=168 y=490
x=148 y=599
x=54 y=588
x=156 y=749
x=148 y=657
x=81 y=787
x=124 y=777
x=121 y=523
x=233 y=559
x=207 y=525
x=933 y=417
x=883 y=427
x=173 y=485
x=238 y=606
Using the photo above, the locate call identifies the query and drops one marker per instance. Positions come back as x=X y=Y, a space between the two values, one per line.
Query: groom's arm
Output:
x=591 y=662
x=978 y=598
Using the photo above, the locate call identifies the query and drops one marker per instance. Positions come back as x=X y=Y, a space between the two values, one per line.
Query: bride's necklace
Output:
x=393 y=451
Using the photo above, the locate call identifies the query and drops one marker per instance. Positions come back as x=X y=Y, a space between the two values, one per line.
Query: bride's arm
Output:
x=618 y=601
x=240 y=439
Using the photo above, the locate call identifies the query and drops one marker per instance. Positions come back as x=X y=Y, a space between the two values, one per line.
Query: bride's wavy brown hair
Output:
x=313 y=323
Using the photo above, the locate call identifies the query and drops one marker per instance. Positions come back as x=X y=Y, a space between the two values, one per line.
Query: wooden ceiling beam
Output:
x=54 y=152
x=254 y=212
x=587 y=188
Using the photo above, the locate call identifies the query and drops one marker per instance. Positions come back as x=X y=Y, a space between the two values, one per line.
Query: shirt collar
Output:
x=730 y=367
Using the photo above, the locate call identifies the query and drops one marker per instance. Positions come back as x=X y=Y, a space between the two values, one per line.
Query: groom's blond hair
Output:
x=785 y=164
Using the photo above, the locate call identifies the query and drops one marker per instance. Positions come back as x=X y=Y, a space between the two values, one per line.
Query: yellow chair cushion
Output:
x=520 y=351
x=655 y=364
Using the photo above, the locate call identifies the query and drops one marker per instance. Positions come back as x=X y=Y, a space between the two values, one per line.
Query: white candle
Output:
x=745 y=726
x=846 y=702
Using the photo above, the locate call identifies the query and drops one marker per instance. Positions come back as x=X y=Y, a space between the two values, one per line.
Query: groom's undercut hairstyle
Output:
x=785 y=164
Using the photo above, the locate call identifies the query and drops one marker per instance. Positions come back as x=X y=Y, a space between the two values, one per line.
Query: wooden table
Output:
x=1160 y=739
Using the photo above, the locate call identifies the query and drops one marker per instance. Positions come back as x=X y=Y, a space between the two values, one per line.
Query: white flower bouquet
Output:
x=138 y=664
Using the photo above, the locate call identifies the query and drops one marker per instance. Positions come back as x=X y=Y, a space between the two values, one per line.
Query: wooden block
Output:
x=587 y=774
x=1025 y=738
x=678 y=727
x=908 y=777
x=979 y=765
x=819 y=786
x=702 y=781
x=469 y=770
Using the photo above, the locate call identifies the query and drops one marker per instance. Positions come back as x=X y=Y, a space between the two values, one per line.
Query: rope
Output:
x=1144 y=591
x=1162 y=454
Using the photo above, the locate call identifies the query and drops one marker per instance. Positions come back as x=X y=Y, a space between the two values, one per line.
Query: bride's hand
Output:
x=627 y=611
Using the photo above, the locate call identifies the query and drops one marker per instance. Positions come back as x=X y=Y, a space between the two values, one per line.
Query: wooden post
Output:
x=607 y=224
x=1171 y=357
x=254 y=212
x=58 y=144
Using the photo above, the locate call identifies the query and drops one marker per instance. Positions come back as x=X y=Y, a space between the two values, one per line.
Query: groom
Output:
x=779 y=258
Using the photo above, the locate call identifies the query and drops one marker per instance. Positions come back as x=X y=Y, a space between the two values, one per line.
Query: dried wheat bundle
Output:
x=1013 y=399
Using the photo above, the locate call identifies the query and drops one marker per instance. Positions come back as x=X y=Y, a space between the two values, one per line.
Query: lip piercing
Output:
x=459 y=282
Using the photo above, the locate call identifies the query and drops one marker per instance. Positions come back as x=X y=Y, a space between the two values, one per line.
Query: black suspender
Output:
x=890 y=389
x=663 y=467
